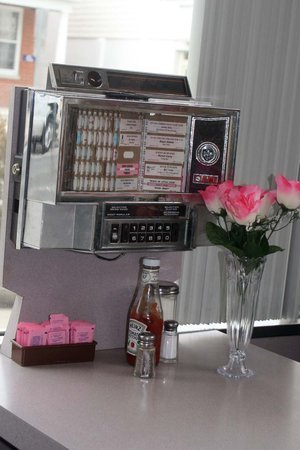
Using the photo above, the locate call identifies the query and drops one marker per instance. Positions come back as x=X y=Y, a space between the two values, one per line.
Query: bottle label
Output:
x=134 y=329
x=150 y=276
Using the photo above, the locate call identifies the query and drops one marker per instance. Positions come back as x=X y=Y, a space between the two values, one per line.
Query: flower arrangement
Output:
x=247 y=216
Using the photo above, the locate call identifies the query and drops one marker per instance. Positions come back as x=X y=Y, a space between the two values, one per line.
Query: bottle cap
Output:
x=151 y=262
x=170 y=325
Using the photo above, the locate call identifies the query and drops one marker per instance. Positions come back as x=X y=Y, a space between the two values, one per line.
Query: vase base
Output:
x=235 y=372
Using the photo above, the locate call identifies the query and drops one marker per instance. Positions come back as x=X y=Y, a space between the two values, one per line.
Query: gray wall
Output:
x=78 y=285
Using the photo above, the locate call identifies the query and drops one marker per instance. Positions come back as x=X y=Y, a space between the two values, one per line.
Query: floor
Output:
x=288 y=346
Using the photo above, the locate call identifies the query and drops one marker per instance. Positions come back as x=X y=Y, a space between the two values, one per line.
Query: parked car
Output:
x=44 y=127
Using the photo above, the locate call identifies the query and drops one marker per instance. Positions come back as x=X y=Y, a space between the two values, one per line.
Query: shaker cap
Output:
x=151 y=262
x=170 y=325
x=146 y=339
x=168 y=287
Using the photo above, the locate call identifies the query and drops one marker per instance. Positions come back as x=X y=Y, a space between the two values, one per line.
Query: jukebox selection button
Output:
x=167 y=237
x=133 y=227
x=133 y=237
x=150 y=227
x=139 y=233
x=114 y=233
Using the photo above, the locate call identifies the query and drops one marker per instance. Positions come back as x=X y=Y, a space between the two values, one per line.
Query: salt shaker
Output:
x=145 y=356
x=169 y=342
x=168 y=295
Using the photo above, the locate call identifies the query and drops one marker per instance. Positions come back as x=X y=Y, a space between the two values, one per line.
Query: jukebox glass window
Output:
x=124 y=151
x=10 y=36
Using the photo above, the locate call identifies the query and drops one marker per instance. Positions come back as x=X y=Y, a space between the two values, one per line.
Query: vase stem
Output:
x=236 y=366
x=243 y=276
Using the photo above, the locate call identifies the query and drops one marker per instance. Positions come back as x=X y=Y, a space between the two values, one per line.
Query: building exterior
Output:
x=27 y=42
x=17 y=61
x=135 y=35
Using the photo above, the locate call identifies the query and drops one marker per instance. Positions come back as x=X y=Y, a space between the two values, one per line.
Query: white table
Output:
x=188 y=406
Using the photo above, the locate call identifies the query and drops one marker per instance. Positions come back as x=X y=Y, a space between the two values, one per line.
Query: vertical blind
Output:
x=248 y=57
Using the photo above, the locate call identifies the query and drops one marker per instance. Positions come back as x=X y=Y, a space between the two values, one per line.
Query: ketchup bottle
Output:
x=146 y=311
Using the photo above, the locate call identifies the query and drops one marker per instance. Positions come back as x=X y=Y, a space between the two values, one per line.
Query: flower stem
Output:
x=278 y=219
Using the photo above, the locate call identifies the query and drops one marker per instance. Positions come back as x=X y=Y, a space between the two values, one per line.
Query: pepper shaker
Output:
x=145 y=356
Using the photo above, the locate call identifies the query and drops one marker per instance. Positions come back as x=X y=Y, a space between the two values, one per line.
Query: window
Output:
x=10 y=40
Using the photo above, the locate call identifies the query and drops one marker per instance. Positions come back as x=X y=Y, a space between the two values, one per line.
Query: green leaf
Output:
x=274 y=249
x=256 y=244
x=252 y=244
x=236 y=250
x=238 y=235
x=216 y=234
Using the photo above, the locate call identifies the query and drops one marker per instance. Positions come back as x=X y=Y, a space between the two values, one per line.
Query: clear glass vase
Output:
x=243 y=277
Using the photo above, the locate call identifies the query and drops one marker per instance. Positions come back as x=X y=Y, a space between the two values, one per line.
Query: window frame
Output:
x=14 y=73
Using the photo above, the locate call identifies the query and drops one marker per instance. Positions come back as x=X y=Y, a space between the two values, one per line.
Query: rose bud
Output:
x=288 y=192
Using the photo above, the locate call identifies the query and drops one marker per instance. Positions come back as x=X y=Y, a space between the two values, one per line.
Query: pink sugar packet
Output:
x=32 y=334
x=57 y=337
x=81 y=331
x=58 y=321
x=19 y=333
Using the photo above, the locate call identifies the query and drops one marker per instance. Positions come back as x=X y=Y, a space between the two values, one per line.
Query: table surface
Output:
x=100 y=405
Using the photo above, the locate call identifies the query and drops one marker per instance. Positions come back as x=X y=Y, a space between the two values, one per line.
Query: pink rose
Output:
x=288 y=192
x=242 y=203
x=267 y=203
x=213 y=196
x=225 y=187
x=211 y=199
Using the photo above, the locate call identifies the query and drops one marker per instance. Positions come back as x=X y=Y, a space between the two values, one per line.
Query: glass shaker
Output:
x=168 y=295
x=169 y=342
x=145 y=356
